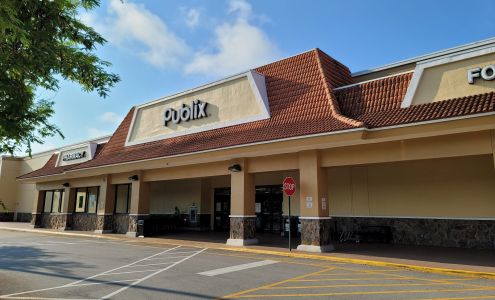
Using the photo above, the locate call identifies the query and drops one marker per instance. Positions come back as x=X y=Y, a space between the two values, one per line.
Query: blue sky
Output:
x=162 y=47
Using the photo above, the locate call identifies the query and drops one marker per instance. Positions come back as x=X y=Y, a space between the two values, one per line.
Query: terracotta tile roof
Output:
x=378 y=95
x=302 y=102
x=377 y=104
x=299 y=105
x=464 y=106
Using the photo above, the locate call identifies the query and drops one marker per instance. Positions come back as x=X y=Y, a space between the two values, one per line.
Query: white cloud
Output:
x=239 y=46
x=192 y=18
x=110 y=117
x=96 y=132
x=132 y=26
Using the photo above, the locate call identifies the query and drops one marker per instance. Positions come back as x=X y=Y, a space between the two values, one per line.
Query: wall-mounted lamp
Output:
x=133 y=178
x=65 y=184
x=235 y=168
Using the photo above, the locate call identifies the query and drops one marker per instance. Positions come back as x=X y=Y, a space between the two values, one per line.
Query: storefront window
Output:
x=57 y=201
x=86 y=200
x=48 y=201
x=122 y=198
x=92 y=199
x=53 y=201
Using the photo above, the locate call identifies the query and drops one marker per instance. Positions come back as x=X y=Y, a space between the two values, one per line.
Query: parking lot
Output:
x=37 y=266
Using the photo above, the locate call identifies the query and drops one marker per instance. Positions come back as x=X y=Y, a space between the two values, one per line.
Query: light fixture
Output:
x=133 y=178
x=235 y=168
x=65 y=184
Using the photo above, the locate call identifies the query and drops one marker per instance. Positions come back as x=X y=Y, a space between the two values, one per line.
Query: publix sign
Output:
x=196 y=110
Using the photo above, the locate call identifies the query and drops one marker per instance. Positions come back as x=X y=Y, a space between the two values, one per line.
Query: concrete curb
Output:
x=377 y=263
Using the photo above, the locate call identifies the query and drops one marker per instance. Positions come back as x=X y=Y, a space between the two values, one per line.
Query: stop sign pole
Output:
x=289 y=186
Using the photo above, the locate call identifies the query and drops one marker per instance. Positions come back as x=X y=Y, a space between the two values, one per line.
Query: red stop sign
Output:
x=289 y=186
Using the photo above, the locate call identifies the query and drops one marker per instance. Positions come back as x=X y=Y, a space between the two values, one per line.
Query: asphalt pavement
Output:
x=40 y=266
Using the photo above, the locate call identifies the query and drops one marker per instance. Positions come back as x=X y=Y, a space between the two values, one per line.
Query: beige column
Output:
x=37 y=209
x=68 y=204
x=242 y=206
x=106 y=203
x=313 y=201
x=140 y=203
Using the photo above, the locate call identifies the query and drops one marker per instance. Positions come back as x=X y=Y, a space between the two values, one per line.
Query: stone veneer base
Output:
x=315 y=249
x=242 y=242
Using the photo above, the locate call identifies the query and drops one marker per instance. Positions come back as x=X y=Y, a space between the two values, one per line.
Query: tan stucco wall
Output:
x=9 y=168
x=17 y=196
x=228 y=101
x=166 y=195
x=453 y=187
x=449 y=81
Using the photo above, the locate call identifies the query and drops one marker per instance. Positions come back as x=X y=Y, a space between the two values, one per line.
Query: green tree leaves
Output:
x=41 y=41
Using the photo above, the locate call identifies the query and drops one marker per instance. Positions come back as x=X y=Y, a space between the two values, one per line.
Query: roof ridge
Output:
x=334 y=106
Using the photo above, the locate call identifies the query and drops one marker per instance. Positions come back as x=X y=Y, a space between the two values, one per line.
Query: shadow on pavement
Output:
x=446 y=255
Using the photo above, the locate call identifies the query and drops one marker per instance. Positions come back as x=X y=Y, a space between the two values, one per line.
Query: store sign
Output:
x=485 y=73
x=74 y=156
x=197 y=110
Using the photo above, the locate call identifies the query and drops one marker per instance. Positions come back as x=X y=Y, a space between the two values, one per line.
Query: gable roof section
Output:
x=299 y=105
x=377 y=103
x=307 y=95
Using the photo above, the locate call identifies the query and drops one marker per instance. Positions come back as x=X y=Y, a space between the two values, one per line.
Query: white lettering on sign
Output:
x=486 y=73
x=73 y=156
x=309 y=202
x=323 y=203
x=289 y=186
x=186 y=113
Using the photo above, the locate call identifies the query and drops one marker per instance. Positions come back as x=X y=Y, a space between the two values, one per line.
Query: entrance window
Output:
x=122 y=198
x=86 y=200
x=53 y=201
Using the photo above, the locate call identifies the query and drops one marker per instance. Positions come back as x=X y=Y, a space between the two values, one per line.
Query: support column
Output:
x=242 y=205
x=106 y=203
x=68 y=204
x=315 y=220
x=140 y=203
x=37 y=209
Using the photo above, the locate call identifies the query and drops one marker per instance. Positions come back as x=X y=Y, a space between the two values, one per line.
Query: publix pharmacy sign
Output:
x=196 y=110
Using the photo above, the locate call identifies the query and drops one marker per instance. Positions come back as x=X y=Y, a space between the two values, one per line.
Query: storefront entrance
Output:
x=268 y=209
x=222 y=209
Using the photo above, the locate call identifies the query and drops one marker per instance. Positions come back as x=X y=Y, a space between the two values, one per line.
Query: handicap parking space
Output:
x=36 y=266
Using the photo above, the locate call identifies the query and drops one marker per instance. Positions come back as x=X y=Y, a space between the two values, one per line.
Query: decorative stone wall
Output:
x=84 y=222
x=315 y=232
x=104 y=222
x=6 y=216
x=120 y=223
x=55 y=220
x=242 y=228
x=23 y=217
x=430 y=232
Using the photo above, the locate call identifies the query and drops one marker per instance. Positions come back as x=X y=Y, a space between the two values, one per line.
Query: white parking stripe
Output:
x=157 y=264
x=238 y=268
x=85 y=279
x=140 y=271
x=151 y=275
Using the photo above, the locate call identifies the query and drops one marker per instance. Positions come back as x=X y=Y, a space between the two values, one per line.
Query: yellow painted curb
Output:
x=377 y=263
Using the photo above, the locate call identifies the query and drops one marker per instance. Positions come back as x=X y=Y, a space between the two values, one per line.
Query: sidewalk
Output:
x=471 y=262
